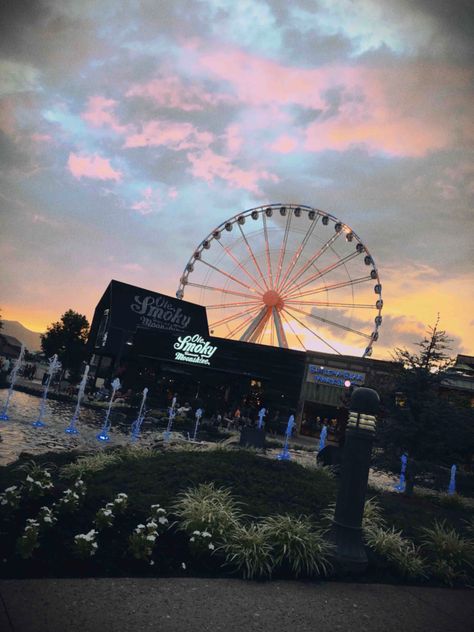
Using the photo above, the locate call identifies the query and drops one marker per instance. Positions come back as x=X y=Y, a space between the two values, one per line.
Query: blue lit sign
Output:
x=334 y=377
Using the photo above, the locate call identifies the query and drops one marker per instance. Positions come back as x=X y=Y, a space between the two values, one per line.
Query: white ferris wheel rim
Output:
x=277 y=290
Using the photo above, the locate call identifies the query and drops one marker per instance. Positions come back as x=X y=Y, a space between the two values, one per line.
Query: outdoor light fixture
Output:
x=346 y=530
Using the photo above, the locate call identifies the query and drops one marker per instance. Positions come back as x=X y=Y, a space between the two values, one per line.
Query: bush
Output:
x=297 y=545
x=247 y=550
x=400 y=552
x=451 y=557
x=207 y=508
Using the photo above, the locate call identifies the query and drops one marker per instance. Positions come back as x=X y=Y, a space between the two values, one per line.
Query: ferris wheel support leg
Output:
x=280 y=332
x=255 y=327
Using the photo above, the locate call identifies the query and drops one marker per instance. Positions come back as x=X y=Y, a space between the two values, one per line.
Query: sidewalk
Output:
x=195 y=605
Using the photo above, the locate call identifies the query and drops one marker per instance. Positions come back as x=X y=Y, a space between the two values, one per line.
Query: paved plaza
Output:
x=195 y=605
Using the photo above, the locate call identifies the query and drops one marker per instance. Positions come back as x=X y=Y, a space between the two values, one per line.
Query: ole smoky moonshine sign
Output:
x=194 y=349
x=158 y=312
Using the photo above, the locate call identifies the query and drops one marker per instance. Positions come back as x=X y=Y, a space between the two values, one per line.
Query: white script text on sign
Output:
x=193 y=349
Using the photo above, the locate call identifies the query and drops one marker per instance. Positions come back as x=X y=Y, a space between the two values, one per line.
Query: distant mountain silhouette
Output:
x=31 y=339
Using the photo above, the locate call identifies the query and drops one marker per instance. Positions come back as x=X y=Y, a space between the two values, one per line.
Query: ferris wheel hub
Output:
x=271 y=298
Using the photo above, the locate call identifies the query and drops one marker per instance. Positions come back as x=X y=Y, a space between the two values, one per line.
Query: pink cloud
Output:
x=397 y=110
x=177 y=136
x=96 y=167
x=153 y=199
x=172 y=92
x=208 y=165
x=41 y=138
x=100 y=113
x=284 y=144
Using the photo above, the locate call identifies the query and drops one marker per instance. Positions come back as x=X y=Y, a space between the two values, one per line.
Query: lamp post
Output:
x=346 y=530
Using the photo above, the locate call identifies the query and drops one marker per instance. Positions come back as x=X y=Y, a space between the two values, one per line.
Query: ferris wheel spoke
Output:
x=252 y=255
x=332 y=323
x=280 y=332
x=289 y=281
x=229 y=276
x=334 y=286
x=320 y=273
x=223 y=290
x=267 y=249
x=311 y=331
x=232 y=317
x=329 y=304
x=288 y=322
x=283 y=248
x=234 y=258
x=229 y=305
x=298 y=252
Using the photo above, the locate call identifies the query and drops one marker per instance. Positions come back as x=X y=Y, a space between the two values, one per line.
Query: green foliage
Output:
x=248 y=550
x=207 y=508
x=297 y=545
x=451 y=557
x=400 y=552
x=28 y=542
x=427 y=426
x=89 y=464
x=67 y=337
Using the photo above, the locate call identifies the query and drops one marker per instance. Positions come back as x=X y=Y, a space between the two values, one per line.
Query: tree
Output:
x=420 y=422
x=67 y=337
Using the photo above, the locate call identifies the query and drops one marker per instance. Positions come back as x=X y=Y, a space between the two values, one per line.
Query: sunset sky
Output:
x=129 y=129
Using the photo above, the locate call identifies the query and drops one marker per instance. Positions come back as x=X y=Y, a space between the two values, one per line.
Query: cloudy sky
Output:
x=128 y=130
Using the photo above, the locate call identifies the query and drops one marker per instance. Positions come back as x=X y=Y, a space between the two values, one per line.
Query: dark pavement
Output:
x=185 y=605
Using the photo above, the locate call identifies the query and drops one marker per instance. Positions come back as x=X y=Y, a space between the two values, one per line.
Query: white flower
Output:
x=183 y=566
x=163 y=520
x=106 y=512
x=151 y=537
x=140 y=526
x=122 y=495
x=47 y=519
x=152 y=524
x=206 y=534
x=196 y=533
x=211 y=546
x=153 y=506
x=29 y=479
x=151 y=562
x=192 y=539
x=11 y=489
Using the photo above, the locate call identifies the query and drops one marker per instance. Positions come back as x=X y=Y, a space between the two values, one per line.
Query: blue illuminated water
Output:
x=18 y=435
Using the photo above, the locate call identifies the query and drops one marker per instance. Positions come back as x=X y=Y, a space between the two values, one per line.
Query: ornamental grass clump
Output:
x=248 y=551
x=400 y=553
x=89 y=464
x=450 y=556
x=207 y=508
x=297 y=545
x=85 y=544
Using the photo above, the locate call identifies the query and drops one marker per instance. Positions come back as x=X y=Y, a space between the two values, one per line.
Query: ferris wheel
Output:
x=288 y=275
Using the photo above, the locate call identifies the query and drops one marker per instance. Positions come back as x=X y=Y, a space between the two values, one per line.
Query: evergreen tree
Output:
x=420 y=422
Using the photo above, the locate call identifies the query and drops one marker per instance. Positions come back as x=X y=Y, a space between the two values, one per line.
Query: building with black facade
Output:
x=151 y=340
